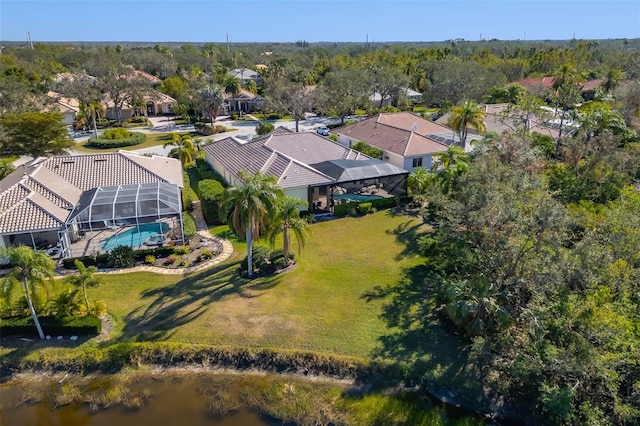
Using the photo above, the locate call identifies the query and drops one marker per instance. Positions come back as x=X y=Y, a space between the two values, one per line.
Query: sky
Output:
x=316 y=20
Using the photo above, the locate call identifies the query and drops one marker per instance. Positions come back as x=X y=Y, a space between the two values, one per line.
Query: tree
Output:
x=36 y=134
x=344 y=92
x=289 y=98
x=565 y=94
x=450 y=165
x=85 y=278
x=369 y=150
x=263 y=128
x=211 y=99
x=122 y=85
x=286 y=220
x=248 y=207
x=465 y=115
x=32 y=269
x=612 y=79
x=418 y=182
x=6 y=169
x=233 y=85
x=386 y=82
x=184 y=149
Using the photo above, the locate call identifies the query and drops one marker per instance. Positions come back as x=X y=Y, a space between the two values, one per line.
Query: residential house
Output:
x=244 y=101
x=155 y=103
x=307 y=166
x=408 y=94
x=406 y=140
x=68 y=107
x=540 y=84
x=501 y=118
x=85 y=204
x=244 y=74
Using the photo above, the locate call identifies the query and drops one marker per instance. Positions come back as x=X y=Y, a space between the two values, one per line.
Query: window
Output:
x=417 y=162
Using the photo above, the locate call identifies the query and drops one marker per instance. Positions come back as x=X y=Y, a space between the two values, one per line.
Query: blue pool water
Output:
x=135 y=236
x=355 y=197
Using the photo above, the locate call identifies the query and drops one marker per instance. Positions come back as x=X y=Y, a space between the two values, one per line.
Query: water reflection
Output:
x=173 y=399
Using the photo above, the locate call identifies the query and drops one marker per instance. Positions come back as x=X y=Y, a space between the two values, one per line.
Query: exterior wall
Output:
x=300 y=192
x=217 y=167
x=125 y=112
x=69 y=118
x=426 y=162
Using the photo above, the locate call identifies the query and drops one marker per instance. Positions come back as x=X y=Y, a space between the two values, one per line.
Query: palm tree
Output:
x=211 y=99
x=232 y=85
x=611 y=80
x=31 y=269
x=85 y=278
x=248 y=207
x=476 y=307
x=465 y=115
x=418 y=182
x=287 y=218
x=565 y=81
x=184 y=149
x=450 y=164
x=251 y=86
x=566 y=75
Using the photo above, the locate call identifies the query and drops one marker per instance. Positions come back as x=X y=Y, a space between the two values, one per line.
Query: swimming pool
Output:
x=355 y=197
x=135 y=236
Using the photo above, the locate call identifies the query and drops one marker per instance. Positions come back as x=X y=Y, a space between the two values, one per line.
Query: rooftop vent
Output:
x=414 y=127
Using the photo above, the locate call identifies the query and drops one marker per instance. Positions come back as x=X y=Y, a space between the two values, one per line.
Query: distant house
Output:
x=406 y=140
x=158 y=104
x=307 y=166
x=244 y=101
x=85 y=204
x=68 y=107
x=155 y=103
x=500 y=119
x=244 y=74
x=408 y=94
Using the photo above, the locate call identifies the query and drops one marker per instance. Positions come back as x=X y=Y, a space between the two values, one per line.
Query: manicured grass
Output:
x=318 y=306
x=153 y=139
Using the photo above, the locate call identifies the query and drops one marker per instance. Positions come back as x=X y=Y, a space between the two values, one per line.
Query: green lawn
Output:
x=316 y=306
x=153 y=139
x=9 y=159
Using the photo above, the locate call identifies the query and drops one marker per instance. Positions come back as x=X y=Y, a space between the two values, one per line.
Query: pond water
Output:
x=170 y=399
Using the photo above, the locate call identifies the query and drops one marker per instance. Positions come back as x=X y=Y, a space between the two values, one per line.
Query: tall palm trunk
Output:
x=31 y=308
x=286 y=241
x=248 y=237
x=86 y=299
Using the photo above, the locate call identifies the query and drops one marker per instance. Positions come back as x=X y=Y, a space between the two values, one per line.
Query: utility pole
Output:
x=228 y=47
x=29 y=40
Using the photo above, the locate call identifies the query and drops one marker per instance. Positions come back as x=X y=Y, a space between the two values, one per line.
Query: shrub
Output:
x=68 y=325
x=189 y=225
x=170 y=260
x=384 y=203
x=105 y=143
x=116 y=133
x=150 y=259
x=344 y=209
x=280 y=263
x=210 y=192
x=206 y=254
x=121 y=257
x=260 y=257
x=364 y=208
x=263 y=128
x=181 y=250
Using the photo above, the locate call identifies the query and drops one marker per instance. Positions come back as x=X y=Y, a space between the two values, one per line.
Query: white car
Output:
x=323 y=130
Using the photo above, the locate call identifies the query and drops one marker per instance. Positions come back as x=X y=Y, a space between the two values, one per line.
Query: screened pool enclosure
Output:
x=139 y=215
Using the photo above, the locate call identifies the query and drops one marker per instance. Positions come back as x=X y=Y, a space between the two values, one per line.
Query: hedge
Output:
x=344 y=209
x=134 y=139
x=21 y=326
x=376 y=203
x=211 y=192
x=189 y=225
x=102 y=259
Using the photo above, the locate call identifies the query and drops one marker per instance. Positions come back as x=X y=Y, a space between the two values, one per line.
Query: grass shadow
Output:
x=179 y=304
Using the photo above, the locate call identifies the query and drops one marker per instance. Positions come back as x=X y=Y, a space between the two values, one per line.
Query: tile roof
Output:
x=309 y=148
x=401 y=133
x=256 y=156
x=41 y=194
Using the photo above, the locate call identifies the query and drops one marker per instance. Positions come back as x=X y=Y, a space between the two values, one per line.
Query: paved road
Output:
x=245 y=130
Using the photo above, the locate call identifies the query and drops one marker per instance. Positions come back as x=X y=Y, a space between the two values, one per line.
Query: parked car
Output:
x=323 y=130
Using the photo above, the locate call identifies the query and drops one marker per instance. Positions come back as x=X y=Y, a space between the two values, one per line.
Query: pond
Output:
x=197 y=399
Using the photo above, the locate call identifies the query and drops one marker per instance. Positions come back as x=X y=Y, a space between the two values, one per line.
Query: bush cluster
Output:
x=208 y=130
x=102 y=259
x=265 y=261
x=54 y=326
x=103 y=142
x=366 y=207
